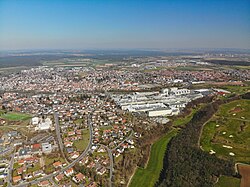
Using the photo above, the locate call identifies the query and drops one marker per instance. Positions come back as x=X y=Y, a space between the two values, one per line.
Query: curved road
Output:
x=48 y=177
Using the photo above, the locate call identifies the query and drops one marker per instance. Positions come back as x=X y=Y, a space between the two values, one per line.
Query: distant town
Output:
x=82 y=121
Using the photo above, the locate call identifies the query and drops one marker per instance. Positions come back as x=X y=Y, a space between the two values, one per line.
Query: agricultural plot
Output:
x=227 y=134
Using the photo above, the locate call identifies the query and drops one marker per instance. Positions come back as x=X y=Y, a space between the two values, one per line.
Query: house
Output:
x=79 y=132
x=78 y=177
x=36 y=147
x=74 y=155
x=44 y=183
x=57 y=164
x=68 y=144
x=69 y=172
x=59 y=177
x=28 y=176
x=101 y=171
x=38 y=173
x=21 y=162
x=71 y=133
x=21 y=170
x=16 y=179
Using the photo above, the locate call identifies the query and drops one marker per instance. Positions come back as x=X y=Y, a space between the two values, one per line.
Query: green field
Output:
x=228 y=182
x=230 y=126
x=149 y=176
x=14 y=116
x=82 y=144
x=49 y=168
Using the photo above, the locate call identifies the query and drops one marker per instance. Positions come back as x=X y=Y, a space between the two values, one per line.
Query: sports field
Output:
x=148 y=176
x=227 y=134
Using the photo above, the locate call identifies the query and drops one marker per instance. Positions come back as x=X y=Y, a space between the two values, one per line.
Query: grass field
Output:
x=230 y=126
x=14 y=116
x=228 y=182
x=149 y=176
x=49 y=163
x=82 y=144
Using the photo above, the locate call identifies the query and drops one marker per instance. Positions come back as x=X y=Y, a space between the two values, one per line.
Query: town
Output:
x=70 y=126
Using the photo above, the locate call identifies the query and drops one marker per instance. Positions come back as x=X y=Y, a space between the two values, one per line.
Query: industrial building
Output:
x=167 y=102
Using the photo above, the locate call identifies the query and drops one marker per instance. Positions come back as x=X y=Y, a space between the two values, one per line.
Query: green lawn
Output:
x=49 y=168
x=230 y=126
x=228 y=182
x=35 y=168
x=149 y=176
x=82 y=144
x=14 y=116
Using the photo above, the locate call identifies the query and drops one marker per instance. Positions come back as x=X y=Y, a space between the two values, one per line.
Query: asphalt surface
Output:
x=59 y=137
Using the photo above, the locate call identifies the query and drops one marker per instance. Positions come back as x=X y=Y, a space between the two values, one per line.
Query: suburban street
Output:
x=59 y=137
x=70 y=165
x=9 y=178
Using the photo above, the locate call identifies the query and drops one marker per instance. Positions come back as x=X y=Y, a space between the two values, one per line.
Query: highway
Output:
x=70 y=165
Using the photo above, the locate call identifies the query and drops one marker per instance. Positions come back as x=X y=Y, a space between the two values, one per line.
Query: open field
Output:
x=225 y=181
x=227 y=132
x=245 y=173
x=49 y=160
x=82 y=144
x=14 y=116
x=148 y=176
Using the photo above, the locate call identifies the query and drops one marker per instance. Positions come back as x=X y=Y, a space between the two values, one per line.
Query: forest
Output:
x=185 y=164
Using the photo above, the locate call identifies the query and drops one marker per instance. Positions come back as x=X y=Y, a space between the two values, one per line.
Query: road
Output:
x=111 y=169
x=10 y=170
x=111 y=166
x=70 y=165
x=59 y=137
x=132 y=132
x=52 y=182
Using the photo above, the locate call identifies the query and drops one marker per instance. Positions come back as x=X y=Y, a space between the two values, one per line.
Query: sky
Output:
x=88 y=24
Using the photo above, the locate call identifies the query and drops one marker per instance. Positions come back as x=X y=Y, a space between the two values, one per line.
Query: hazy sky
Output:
x=39 y=24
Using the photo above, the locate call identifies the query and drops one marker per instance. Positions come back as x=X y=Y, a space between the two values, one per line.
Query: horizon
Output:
x=147 y=25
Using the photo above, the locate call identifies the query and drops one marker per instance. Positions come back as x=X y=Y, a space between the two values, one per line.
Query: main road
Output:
x=70 y=165
x=59 y=137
